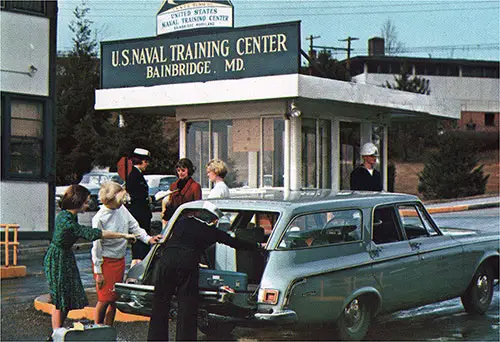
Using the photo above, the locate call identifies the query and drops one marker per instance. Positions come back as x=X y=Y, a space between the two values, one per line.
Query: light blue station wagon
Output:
x=331 y=257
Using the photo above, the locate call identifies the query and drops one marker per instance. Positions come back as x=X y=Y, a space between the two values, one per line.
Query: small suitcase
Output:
x=80 y=332
x=213 y=279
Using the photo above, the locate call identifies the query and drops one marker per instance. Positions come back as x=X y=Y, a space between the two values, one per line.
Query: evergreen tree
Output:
x=407 y=140
x=80 y=130
x=452 y=170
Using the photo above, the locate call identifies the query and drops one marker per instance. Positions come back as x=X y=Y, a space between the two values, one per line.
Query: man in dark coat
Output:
x=138 y=189
x=365 y=177
x=178 y=271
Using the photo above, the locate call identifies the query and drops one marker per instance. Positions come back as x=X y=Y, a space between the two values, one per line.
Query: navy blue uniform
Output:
x=361 y=179
x=138 y=189
x=178 y=274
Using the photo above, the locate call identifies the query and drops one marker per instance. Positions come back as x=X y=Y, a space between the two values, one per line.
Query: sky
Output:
x=457 y=29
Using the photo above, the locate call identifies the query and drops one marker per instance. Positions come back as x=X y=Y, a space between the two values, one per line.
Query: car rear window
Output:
x=322 y=229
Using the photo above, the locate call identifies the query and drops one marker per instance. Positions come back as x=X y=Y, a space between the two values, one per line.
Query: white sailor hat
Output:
x=213 y=209
x=142 y=153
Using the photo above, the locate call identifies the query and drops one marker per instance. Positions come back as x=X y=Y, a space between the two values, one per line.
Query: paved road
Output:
x=442 y=321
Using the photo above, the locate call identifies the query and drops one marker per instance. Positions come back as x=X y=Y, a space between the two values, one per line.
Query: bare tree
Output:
x=393 y=45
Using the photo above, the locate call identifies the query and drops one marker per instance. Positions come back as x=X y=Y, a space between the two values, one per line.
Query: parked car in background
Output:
x=158 y=183
x=92 y=181
x=338 y=258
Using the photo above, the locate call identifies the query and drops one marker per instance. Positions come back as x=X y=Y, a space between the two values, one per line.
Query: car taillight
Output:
x=268 y=296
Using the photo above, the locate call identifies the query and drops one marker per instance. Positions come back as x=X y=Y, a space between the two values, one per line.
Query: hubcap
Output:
x=483 y=287
x=353 y=315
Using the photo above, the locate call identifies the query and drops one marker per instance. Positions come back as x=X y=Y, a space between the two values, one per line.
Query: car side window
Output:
x=412 y=222
x=322 y=229
x=385 y=226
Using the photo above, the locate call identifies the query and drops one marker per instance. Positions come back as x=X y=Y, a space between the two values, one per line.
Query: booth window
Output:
x=240 y=143
x=316 y=153
x=198 y=149
x=32 y=7
x=350 y=133
x=25 y=139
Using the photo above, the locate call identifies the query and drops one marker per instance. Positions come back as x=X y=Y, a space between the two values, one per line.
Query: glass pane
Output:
x=323 y=229
x=30 y=6
x=26 y=110
x=237 y=142
x=26 y=128
x=412 y=224
x=378 y=140
x=350 y=133
x=309 y=153
x=325 y=153
x=26 y=158
x=197 y=149
x=273 y=136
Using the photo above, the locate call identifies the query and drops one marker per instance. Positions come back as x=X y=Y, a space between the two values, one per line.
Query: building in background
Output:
x=27 y=71
x=475 y=84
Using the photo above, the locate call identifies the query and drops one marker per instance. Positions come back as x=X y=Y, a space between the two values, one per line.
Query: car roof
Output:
x=158 y=176
x=278 y=200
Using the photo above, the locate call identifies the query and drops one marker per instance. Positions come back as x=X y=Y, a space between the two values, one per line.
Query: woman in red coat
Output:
x=184 y=189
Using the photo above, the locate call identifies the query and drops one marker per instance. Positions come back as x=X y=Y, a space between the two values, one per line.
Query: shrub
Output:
x=452 y=171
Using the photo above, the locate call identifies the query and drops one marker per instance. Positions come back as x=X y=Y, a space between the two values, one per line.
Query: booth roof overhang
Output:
x=293 y=86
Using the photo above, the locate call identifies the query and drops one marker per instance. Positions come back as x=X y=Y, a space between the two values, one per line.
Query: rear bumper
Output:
x=282 y=316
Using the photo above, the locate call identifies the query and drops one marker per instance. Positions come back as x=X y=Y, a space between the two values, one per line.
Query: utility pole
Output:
x=348 y=40
x=311 y=41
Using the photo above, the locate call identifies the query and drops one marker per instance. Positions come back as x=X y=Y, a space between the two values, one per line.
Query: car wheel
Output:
x=477 y=297
x=93 y=203
x=354 y=321
x=216 y=328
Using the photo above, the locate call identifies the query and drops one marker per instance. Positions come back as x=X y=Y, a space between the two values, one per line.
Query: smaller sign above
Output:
x=177 y=16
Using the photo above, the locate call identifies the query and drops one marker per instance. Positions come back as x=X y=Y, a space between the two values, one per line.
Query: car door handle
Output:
x=415 y=245
x=375 y=252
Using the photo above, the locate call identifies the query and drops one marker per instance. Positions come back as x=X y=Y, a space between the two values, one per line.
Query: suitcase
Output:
x=80 y=332
x=211 y=280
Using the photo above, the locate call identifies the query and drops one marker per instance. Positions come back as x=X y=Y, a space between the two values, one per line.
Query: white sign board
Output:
x=193 y=16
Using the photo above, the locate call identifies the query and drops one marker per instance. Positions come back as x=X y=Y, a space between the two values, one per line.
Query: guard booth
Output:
x=237 y=95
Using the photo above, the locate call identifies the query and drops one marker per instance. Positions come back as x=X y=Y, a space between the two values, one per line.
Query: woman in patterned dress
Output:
x=61 y=271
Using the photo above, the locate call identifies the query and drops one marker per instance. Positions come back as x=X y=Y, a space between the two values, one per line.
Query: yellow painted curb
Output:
x=447 y=209
x=13 y=272
x=42 y=303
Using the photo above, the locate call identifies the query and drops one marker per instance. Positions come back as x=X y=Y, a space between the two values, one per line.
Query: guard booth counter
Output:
x=247 y=104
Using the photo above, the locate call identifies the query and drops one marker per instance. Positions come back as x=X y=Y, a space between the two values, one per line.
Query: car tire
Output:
x=354 y=321
x=93 y=203
x=216 y=328
x=477 y=297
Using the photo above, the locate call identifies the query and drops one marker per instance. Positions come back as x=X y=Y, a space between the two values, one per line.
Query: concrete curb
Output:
x=43 y=303
x=462 y=207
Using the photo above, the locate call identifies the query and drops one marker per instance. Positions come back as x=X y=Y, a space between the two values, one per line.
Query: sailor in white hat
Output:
x=178 y=271
x=138 y=189
x=365 y=177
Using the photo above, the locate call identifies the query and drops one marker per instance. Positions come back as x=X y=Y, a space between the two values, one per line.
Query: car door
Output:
x=441 y=263
x=395 y=261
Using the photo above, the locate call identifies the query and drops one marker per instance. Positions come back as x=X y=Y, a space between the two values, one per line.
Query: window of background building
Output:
x=470 y=71
x=325 y=154
x=26 y=138
x=350 y=133
x=489 y=119
x=37 y=7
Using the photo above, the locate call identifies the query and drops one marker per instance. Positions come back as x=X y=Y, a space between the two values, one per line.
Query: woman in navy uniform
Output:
x=138 y=189
x=178 y=271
